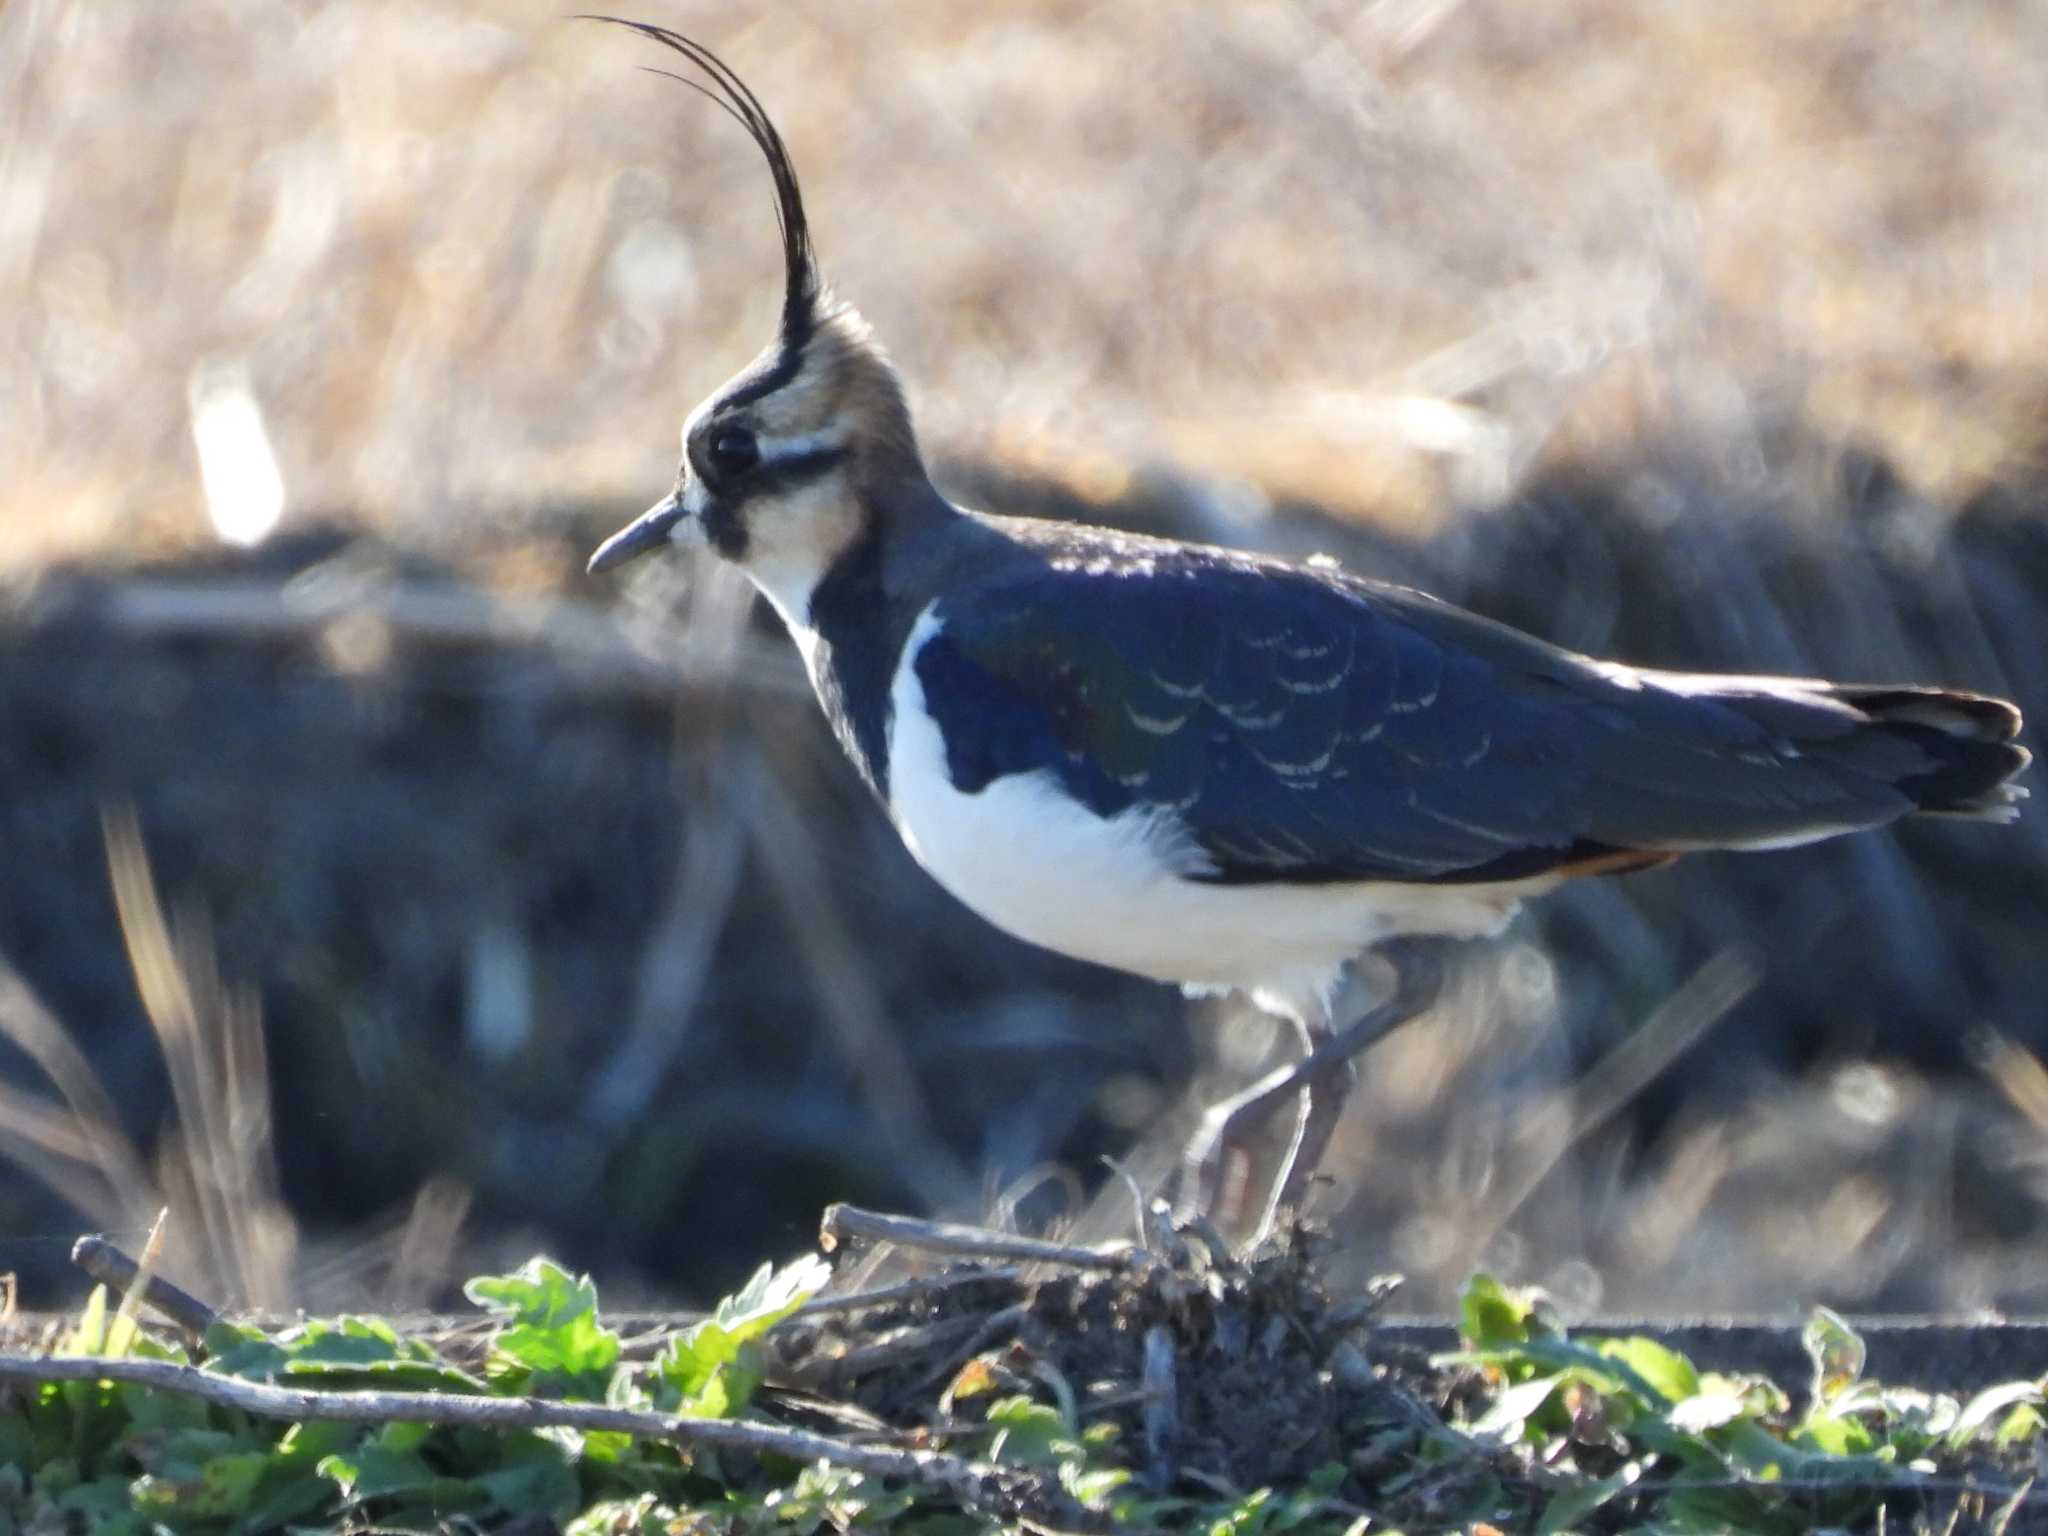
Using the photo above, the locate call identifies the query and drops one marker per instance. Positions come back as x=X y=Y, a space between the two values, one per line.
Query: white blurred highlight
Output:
x=237 y=466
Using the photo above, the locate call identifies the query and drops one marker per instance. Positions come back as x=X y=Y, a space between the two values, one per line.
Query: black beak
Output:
x=647 y=532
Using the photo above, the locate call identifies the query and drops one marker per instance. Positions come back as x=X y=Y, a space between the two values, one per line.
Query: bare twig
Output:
x=906 y=1290
x=1161 y=1412
x=843 y=1221
x=1902 y=1482
x=1009 y=1492
x=112 y=1268
x=856 y=1422
x=996 y=1326
x=902 y=1346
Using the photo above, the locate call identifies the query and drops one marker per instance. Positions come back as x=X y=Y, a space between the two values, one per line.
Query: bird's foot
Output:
x=1222 y=1170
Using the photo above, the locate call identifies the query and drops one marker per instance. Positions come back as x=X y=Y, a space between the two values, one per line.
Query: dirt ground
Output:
x=1256 y=1374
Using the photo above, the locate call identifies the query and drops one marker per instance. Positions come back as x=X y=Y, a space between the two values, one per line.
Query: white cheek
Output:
x=688 y=531
x=790 y=543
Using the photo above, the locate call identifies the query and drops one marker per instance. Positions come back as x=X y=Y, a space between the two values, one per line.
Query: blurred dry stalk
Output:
x=210 y=1196
x=472 y=266
x=219 y=1168
x=1473 y=1144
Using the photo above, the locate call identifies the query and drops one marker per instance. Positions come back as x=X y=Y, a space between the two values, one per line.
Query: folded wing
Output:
x=1308 y=726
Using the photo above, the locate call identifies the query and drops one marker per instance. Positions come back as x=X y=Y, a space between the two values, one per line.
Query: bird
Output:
x=1219 y=769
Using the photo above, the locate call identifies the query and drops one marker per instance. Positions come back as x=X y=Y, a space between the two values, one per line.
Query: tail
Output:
x=1713 y=760
x=1966 y=739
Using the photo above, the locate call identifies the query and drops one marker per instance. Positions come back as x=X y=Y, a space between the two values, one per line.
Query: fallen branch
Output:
x=1161 y=1411
x=1013 y=1493
x=112 y=1268
x=845 y=1221
x=904 y=1290
x=902 y=1347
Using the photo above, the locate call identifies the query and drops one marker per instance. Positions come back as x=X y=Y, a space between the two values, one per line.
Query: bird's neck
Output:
x=851 y=614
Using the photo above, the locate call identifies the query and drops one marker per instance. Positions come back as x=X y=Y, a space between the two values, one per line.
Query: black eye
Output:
x=734 y=451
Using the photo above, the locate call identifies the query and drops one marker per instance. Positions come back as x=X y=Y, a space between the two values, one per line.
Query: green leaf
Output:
x=1833 y=1435
x=540 y=1294
x=1986 y=1405
x=605 y=1446
x=385 y=1376
x=1715 y=1408
x=88 y=1335
x=579 y=1349
x=552 y=1336
x=2024 y=1423
x=17 y=1443
x=342 y=1341
x=1914 y=1421
x=1566 y=1510
x=287 y=1496
x=1603 y=1373
x=1248 y=1517
x=223 y=1488
x=1719 y=1511
x=771 y=1294
x=1031 y=1434
x=641 y=1516
x=1094 y=1488
x=238 y=1349
x=401 y=1436
x=181 y=1453
x=838 y=1498
x=1490 y=1316
x=123 y=1333
x=537 y=1487
x=1512 y=1410
x=340 y=1352
x=306 y=1445
x=56 y=1476
x=1663 y=1369
x=712 y=1370
x=159 y=1413
x=1837 y=1353
x=377 y=1471
x=105 y=1505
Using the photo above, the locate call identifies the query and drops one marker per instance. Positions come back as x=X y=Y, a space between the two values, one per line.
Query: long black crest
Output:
x=730 y=94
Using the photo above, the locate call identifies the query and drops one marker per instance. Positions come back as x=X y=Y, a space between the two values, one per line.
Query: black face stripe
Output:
x=787 y=364
x=790 y=470
x=724 y=527
x=772 y=474
x=725 y=513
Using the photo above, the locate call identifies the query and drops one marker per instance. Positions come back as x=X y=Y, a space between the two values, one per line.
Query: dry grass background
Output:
x=1741 y=273
x=1382 y=253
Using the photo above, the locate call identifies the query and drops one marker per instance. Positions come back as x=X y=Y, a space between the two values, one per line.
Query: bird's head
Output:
x=783 y=466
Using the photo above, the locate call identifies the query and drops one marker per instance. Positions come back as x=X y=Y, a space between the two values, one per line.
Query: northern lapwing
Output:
x=1221 y=770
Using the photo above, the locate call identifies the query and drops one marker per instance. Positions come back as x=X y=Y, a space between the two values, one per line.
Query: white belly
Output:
x=1117 y=890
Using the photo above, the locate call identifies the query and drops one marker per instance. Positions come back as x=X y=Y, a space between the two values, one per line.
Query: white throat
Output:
x=787 y=579
x=788 y=585
x=791 y=544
